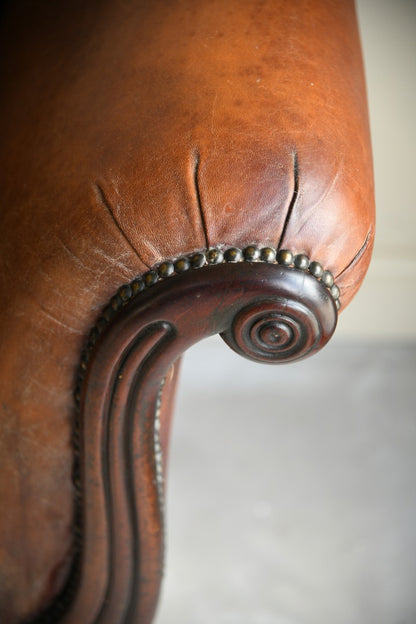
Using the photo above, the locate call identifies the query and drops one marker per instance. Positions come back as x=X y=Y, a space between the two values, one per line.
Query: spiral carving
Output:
x=275 y=331
x=295 y=318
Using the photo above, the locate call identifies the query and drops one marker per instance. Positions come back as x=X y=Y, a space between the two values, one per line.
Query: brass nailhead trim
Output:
x=196 y=260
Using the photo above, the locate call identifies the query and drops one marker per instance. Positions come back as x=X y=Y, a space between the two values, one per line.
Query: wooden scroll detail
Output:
x=265 y=312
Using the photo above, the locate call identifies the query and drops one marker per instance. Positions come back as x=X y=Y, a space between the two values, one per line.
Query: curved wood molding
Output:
x=264 y=310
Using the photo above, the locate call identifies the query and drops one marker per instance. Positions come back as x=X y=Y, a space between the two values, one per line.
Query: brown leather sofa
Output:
x=169 y=170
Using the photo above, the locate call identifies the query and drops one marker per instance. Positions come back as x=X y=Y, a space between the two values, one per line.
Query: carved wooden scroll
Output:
x=264 y=310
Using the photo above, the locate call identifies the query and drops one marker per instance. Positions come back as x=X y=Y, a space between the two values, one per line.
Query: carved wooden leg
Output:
x=264 y=310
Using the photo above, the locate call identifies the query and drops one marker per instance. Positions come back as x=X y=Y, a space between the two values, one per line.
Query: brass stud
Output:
x=285 y=257
x=150 y=278
x=115 y=302
x=334 y=291
x=215 y=256
x=251 y=253
x=301 y=261
x=125 y=292
x=316 y=269
x=182 y=265
x=327 y=278
x=165 y=269
x=137 y=286
x=268 y=254
x=197 y=260
x=233 y=255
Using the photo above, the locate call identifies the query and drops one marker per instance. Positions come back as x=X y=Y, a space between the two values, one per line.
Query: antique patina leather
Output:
x=134 y=132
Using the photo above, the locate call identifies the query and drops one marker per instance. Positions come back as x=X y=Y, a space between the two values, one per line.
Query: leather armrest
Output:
x=139 y=132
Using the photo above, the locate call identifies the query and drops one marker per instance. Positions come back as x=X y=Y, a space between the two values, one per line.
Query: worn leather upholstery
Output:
x=136 y=131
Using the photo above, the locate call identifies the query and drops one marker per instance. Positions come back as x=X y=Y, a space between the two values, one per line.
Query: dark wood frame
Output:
x=280 y=309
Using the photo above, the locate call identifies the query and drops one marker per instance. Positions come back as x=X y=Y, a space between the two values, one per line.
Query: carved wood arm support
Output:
x=266 y=311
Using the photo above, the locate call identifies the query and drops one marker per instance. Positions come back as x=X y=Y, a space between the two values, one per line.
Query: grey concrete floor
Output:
x=292 y=489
